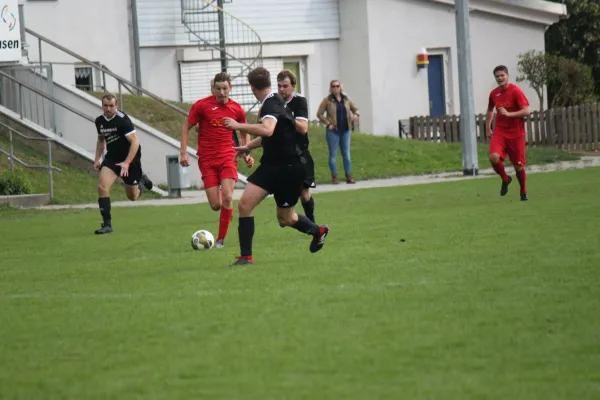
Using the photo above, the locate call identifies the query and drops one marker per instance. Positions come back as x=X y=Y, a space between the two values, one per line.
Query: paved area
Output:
x=198 y=196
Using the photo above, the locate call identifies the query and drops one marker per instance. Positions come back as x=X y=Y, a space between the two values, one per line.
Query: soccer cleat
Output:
x=504 y=188
x=524 y=197
x=105 y=228
x=145 y=182
x=243 y=260
x=319 y=240
x=220 y=243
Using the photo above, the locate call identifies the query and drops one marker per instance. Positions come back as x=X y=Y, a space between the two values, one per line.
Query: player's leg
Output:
x=133 y=181
x=333 y=142
x=497 y=156
x=345 y=148
x=286 y=196
x=259 y=184
x=517 y=155
x=308 y=203
x=210 y=178
x=107 y=176
x=228 y=177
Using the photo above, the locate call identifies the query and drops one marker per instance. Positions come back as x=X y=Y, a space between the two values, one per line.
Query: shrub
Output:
x=14 y=183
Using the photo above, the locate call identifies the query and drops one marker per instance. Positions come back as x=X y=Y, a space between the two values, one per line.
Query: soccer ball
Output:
x=203 y=240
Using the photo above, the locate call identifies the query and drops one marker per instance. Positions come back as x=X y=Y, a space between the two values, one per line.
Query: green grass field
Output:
x=372 y=156
x=486 y=298
x=71 y=185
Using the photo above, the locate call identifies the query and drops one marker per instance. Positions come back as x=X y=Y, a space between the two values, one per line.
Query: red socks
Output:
x=522 y=177
x=499 y=168
x=224 y=220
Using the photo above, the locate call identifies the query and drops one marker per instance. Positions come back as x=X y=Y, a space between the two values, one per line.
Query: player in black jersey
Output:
x=281 y=171
x=123 y=158
x=296 y=103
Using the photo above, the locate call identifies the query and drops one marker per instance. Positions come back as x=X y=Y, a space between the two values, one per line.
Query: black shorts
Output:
x=135 y=171
x=309 y=178
x=284 y=182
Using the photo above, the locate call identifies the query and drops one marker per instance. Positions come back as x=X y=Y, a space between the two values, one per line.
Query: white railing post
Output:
x=50 y=170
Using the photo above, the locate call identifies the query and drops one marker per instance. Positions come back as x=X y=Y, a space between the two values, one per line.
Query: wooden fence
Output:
x=570 y=128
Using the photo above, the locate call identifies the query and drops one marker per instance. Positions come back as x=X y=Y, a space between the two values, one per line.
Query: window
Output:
x=84 y=79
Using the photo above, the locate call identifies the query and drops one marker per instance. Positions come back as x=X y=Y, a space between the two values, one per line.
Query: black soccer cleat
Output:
x=105 y=228
x=243 y=260
x=524 y=197
x=319 y=240
x=145 y=182
x=504 y=188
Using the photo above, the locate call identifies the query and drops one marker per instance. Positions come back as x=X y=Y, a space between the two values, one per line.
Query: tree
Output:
x=574 y=82
x=570 y=82
x=538 y=69
x=577 y=37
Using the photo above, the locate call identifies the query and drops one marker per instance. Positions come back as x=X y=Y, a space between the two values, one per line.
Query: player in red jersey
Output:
x=216 y=154
x=508 y=135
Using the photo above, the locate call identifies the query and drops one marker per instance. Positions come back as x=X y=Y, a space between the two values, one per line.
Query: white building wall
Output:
x=520 y=36
x=161 y=69
x=83 y=27
x=275 y=21
x=399 y=90
x=354 y=58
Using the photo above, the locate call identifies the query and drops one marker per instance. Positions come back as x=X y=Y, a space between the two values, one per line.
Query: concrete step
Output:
x=26 y=200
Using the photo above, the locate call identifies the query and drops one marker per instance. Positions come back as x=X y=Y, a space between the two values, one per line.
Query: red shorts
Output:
x=514 y=148
x=213 y=172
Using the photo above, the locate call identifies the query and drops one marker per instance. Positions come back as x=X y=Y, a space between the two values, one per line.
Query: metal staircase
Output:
x=231 y=41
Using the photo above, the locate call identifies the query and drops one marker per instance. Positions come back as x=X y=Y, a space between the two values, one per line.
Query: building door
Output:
x=294 y=66
x=435 y=76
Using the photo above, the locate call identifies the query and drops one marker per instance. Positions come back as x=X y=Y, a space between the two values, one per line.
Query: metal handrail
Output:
x=13 y=158
x=98 y=66
x=44 y=95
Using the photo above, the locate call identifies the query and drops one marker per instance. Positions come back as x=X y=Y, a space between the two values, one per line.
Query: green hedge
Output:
x=14 y=183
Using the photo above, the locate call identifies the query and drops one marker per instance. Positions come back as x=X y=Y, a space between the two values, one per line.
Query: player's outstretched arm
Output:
x=255 y=144
x=266 y=128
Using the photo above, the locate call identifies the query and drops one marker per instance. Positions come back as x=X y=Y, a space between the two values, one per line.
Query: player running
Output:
x=281 y=171
x=296 y=103
x=508 y=135
x=216 y=148
x=123 y=158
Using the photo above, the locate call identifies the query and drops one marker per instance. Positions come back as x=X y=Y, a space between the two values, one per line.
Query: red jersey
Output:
x=215 y=141
x=512 y=99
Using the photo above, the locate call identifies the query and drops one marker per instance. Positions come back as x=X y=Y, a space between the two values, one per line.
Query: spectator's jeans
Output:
x=342 y=140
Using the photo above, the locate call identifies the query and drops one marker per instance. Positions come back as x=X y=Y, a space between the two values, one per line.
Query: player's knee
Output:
x=132 y=196
x=305 y=196
x=103 y=189
x=494 y=158
x=227 y=200
x=518 y=168
x=216 y=206
x=285 y=219
x=244 y=207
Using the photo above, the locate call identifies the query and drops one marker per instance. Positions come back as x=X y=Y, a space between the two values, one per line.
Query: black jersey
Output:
x=279 y=148
x=115 y=132
x=299 y=108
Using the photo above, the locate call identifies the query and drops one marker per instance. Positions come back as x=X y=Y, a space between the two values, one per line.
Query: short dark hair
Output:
x=109 y=97
x=286 y=73
x=222 y=77
x=260 y=78
x=501 y=68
